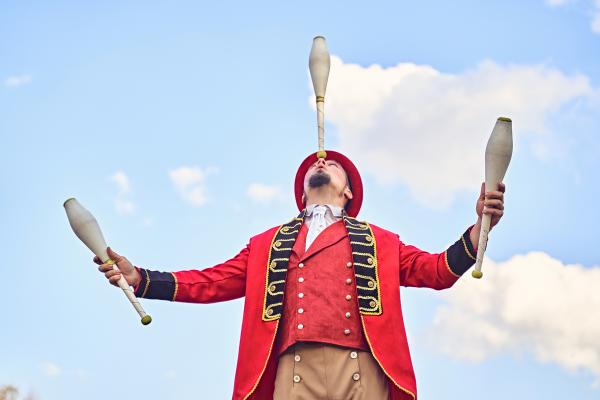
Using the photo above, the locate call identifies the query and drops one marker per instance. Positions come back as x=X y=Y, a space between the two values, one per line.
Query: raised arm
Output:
x=441 y=270
x=419 y=268
x=222 y=282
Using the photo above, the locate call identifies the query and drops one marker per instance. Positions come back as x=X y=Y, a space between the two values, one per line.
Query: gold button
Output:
x=300 y=326
x=348 y=314
x=372 y=303
x=297 y=358
x=277 y=243
x=300 y=310
x=301 y=295
x=348 y=281
x=353 y=354
x=368 y=238
x=355 y=376
x=300 y=265
x=297 y=378
x=270 y=311
x=370 y=260
x=346 y=332
x=301 y=279
x=272 y=288
x=273 y=264
x=285 y=229
x=349 y=264
x=371 y=284
x=348 y=297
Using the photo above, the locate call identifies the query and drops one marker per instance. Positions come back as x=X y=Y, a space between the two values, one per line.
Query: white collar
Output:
x=336 y=211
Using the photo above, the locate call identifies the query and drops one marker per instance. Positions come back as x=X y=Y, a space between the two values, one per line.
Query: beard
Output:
x=318 y=179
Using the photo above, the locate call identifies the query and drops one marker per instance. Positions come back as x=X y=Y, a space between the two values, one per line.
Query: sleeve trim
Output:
x=448 y=265
x=147 y=283
x=466 y=246
x=176 y=286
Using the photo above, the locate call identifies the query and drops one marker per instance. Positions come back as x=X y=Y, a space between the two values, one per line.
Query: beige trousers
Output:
x=318 y=371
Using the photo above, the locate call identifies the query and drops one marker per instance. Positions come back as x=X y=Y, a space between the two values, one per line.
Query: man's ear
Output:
x=304 y=198
x=348 y=193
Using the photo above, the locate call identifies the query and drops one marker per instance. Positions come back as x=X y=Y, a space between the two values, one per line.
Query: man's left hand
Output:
x=491 y=203
x=488 y=203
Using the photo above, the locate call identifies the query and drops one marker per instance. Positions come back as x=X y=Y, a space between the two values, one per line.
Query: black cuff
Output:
x=157 y=285
x=461 y=255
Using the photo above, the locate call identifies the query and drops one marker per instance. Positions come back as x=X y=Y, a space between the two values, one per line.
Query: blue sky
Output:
x=181 y=125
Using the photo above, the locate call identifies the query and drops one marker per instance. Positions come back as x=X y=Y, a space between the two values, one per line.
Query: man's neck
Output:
x=326 y=198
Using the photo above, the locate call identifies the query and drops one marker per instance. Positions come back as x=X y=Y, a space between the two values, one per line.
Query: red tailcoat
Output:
x=258 y=273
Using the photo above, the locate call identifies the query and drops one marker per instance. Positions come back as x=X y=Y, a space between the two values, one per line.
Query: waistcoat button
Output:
x=348 y=297
x=297 y=378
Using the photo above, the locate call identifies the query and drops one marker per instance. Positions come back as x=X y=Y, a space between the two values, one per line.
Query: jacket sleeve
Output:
x=226 y=281
x=419 y=268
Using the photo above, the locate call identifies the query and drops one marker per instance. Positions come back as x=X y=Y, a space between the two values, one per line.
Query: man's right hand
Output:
x=126 y=269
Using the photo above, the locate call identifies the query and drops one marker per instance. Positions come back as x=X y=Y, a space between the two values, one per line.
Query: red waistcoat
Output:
x=320 y=293
x=256 y=274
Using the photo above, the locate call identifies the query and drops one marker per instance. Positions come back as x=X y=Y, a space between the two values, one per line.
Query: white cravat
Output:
x=319 y=217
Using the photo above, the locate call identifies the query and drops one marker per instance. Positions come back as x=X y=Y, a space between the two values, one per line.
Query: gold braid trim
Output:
x=362 y=320
x=147 y=283
x=266 y=362
x=264 y=313
x=176 y=286
x=379 y=308
x=448 y=264
x=467 y=249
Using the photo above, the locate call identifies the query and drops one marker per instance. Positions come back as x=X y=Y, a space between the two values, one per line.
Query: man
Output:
x=322 y=315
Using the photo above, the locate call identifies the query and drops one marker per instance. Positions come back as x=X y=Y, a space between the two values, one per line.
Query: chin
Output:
x=319 y=179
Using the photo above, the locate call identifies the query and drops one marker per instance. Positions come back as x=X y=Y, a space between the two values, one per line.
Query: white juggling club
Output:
x=87 y=229
x=498 y=153
x=319 y=63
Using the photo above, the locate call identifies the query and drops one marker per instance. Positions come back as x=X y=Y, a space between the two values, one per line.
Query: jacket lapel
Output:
x=299 y=247
x=330 y=236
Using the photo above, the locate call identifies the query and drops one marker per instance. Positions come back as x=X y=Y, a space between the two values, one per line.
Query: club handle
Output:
x=146 y=319
x=482 y=245
x=321 y=123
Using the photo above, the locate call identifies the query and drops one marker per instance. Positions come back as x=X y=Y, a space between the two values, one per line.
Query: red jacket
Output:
x=258 y=272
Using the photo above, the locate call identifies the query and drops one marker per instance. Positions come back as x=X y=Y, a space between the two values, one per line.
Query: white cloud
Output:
x=122 y=181
x=532 y=304
x=190 y=182
x=50 y=369
x=17 y=80
x=428 y=129
x=123 y=202
x=595 y=12
x=261 y=193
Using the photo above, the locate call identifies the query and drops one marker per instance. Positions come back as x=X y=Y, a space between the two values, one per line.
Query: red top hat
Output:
x=353 y=206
